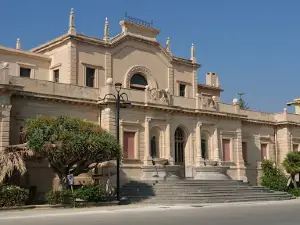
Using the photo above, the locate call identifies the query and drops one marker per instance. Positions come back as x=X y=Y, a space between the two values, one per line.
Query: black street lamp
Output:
x=119 y=98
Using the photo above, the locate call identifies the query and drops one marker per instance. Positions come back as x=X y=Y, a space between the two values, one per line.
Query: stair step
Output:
x=198 y=191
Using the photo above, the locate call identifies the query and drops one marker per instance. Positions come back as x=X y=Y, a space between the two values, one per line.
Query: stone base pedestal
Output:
x=161 y=172
x=211 y=173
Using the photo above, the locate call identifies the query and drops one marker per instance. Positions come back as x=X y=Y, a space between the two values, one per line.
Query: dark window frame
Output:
x=90 y=76
x=55 y=73
x=138 y=84
x=24 y=71
x=182 y=93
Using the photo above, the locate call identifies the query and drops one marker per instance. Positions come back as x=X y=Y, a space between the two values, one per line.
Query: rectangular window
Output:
x=295 y=147
x=25 y=72
x=90 y=77
x=128 y=145
x=226 y=150
x=245 y=152
x=56 y=76
x=263 y=151
x=182 y=90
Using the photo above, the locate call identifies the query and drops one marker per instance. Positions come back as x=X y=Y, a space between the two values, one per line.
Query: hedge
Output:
x=11 y=195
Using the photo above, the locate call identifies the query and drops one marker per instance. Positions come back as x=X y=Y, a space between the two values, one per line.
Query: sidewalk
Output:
x=109 y=206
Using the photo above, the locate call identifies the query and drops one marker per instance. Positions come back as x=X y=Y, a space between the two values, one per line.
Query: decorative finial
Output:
x=168 y=45
x=193 y=58
x=72 y=29
x=18 y=45
x=106 y=30
x=235 y=101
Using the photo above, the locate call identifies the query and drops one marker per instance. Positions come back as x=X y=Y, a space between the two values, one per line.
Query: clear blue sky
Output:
x=253 y=45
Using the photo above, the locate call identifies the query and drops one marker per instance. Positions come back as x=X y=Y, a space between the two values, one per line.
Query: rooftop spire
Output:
x=193 y=58
x=106 y=30
x=168 y=48
x=18 y=45
x=72 y=29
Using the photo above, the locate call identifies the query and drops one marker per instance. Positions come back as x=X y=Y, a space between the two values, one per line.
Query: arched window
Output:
x=179 y=146
x=138 y=82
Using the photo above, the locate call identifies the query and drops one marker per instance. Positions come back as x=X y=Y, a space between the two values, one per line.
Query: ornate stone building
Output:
x=172 y=118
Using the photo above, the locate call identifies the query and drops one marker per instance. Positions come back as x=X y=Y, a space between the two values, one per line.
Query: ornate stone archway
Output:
x=138 y=69
x=180 y=142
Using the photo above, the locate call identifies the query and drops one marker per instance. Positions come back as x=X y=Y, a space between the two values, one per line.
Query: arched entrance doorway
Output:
x=204 y=145
x=179 y=144
x=155 y=142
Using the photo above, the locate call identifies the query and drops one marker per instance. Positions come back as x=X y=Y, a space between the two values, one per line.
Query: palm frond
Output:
x=12 y=159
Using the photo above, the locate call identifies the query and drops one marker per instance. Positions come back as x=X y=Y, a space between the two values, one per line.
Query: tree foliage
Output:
x=291 y=164
x=242 y=103
x=70 y=144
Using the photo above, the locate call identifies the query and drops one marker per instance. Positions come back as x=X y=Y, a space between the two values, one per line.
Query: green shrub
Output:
x=11 y=195
x=272 y=177
x=64 y=196
x=91 y=193
x=293 y=191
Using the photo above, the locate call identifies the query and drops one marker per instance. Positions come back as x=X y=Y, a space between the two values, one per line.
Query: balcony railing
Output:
x=154 y=96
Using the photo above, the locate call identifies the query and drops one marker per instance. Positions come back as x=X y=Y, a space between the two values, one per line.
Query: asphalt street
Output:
x=275 y=213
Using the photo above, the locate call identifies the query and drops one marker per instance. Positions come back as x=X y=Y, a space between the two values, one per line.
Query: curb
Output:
x=80 y=205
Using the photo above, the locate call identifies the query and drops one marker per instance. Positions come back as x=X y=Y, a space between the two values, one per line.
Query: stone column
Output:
x=239 y=156
x=168 y=139
x=198 y=144
x=147 y=157
x=216 y=137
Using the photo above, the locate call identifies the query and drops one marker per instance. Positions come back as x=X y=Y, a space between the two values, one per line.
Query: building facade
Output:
x=180 y=124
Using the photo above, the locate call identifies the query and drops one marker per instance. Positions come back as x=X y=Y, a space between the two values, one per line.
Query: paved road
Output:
x=286 y=213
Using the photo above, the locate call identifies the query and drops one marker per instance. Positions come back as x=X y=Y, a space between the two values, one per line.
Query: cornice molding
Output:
x=24 y=53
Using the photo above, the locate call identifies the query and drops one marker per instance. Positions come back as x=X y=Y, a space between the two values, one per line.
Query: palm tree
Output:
x=12 y=159
x=292 y=165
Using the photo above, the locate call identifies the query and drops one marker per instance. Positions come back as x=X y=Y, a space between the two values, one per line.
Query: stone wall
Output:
x=39 y=173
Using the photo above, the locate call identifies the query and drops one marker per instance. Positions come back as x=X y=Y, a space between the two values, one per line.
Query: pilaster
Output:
x=108 y=120
x=171 y=80
x=72 y=62
x=195 y=83
x=5 y=121
x=108 y=65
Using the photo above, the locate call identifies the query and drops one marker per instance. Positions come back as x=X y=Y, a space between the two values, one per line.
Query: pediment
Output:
x=127 y=46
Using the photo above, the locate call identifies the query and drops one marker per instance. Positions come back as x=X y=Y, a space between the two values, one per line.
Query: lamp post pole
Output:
x=118 y=97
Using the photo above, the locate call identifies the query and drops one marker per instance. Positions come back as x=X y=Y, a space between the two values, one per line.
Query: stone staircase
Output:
x=197 y=191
